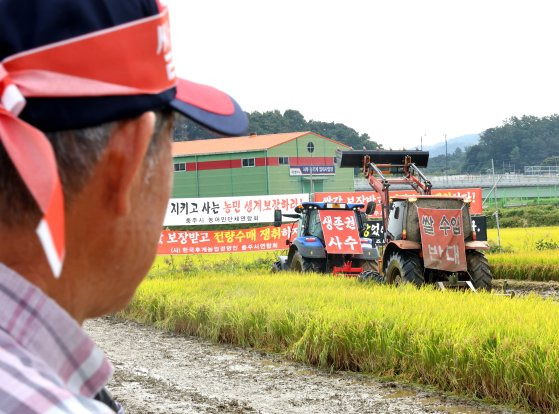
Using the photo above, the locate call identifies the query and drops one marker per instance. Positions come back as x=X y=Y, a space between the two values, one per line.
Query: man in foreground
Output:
x=87 y=90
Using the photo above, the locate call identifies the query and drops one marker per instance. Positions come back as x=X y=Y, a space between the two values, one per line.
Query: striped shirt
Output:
x=48 y=364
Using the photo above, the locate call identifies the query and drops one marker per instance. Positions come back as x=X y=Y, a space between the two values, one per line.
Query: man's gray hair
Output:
x=77 y=152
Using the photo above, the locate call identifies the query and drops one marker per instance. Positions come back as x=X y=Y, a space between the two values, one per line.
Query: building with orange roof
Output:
x=287 y=163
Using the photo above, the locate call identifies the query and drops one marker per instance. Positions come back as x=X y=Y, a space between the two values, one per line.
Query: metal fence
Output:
x=541 y=170
x=479 y=180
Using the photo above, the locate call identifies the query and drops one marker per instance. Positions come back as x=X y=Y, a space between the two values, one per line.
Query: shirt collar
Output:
x=48 y=332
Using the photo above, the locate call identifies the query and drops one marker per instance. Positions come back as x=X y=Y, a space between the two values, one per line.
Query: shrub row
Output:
x=528 y=216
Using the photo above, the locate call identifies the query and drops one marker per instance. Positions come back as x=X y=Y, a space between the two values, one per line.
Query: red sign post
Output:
x=442 y=239
x=341 y=235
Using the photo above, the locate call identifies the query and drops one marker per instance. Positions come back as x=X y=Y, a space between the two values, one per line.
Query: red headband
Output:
x=137 y=59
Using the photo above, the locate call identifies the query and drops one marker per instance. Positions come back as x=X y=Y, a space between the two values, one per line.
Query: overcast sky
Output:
x=396 y=70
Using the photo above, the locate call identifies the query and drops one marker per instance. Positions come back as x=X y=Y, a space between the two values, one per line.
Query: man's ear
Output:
x=123 y=160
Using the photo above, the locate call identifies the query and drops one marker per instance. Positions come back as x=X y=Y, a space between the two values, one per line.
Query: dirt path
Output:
x=159 y=372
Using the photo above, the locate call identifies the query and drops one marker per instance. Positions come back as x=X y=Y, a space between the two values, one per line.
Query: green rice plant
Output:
x=524 y=258
x=546 y=245
x=169 y=266
x=526 y=265
x=482 y=345
x=519 y=258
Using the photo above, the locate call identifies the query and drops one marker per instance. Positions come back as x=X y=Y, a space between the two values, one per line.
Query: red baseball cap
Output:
x=75 y=64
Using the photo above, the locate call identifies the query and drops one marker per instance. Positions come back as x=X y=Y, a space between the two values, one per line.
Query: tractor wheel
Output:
x=479 y=270
x=367 y=265
x=276 y=267
x=404 y=266
x=300 y=264
x=370 y=276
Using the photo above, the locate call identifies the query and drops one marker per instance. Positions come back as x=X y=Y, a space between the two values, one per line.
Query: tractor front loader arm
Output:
x=378 y=164
x=416 y=178
x=380 y=184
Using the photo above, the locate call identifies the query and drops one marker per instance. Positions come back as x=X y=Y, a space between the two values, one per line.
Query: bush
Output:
x=546 y=245
x=528 y=216
x=493 y=248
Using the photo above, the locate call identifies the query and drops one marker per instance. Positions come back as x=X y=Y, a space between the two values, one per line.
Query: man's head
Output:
x=86 y=93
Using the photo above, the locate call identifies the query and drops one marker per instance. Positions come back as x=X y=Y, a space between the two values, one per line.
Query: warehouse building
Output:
x=286 y=163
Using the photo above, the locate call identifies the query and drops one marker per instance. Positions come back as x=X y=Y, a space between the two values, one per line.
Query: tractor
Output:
x=426 y=238
x=328 y=240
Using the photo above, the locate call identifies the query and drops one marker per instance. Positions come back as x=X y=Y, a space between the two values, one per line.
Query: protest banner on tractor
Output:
x=442 y=239
x=341 y=235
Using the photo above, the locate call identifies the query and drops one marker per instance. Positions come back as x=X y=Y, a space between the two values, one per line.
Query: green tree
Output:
x=551 y=160
x=528 y=140
x=274 y=122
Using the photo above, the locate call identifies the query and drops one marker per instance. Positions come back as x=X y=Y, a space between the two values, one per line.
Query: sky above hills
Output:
x=451 y=144
x=396 y=70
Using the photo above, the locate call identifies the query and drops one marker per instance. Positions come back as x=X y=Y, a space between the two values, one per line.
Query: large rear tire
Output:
x=404 y=266
x=367 y=265
x=479 y=270
x=301 y=264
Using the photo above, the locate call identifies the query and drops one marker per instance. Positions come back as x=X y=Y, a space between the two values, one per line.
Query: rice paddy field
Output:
x=527 y=254
x=524 y=239
x=481 y=345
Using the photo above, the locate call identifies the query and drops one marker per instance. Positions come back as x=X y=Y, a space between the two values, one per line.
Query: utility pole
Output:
x=445 y=158
x=496 y=205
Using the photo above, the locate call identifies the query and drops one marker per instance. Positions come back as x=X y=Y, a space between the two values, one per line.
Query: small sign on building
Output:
x=316 y=170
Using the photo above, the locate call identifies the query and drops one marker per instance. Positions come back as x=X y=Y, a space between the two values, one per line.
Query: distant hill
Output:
x=453 y=143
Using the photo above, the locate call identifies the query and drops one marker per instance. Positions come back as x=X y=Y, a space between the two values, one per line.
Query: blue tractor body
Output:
x=308 y=252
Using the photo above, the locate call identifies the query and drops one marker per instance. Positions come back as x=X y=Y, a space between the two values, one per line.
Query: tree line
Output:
x=274 y=122
x=517 y=143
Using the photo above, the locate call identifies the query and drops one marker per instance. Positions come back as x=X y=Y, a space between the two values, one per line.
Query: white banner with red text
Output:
x=230 y=210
